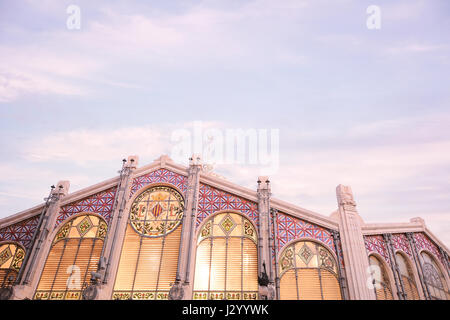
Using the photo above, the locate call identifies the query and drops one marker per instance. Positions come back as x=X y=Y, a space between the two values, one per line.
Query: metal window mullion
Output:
x=163 y=246
x=137 y=266
x=74 y=260
x=160 y=262
x=4 y=283
x=210 y=256
x=141 y=237
x=89 y=261
x=4 y=279
x=242 y=267
x=226 y=267
x=181 y=245
x=417 y=260
x=394 y=267
x=320 y=275
x=374 y=284
x=296 y=274
x=445 y=257
x=59 y=263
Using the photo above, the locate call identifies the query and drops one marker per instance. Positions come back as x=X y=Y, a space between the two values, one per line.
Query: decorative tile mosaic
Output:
x=21 y=232
x=161 y=176
x=375 y=243
x=100 y=203
x=211 y=200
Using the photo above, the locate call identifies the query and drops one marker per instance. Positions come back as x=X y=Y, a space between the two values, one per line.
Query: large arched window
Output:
x=308 y=271
x=11 y=258
x=434 y=278
x=382 y=284
x=149 y=258
x=226 y=265
x=74 y=254
x=407 y=277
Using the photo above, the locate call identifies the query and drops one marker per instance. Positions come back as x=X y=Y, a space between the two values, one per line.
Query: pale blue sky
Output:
x=366 y=108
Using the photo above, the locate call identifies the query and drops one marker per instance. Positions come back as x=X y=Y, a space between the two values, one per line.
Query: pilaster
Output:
x=354 y=251
x=184 y=282
x=41 y=244
x=109 y=261
x=265 y=266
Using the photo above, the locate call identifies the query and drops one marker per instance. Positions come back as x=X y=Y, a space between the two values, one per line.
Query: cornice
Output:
x=380 y=228
x=21 y=216
x=304 y=214
x=71 y=197
x=158 y=164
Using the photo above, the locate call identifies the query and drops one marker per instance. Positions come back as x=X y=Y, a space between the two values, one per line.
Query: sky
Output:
x=369 y=108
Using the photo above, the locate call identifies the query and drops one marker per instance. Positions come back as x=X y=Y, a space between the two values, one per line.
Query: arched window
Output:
x=149 y=258
x=407 y=277
x=11 y=258
x=434 y=278
x=382 y=284
x=308 y=271
x=74 y=254
x=226 y=265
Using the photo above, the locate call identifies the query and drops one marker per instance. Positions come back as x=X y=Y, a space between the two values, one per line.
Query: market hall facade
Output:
x=166 y=231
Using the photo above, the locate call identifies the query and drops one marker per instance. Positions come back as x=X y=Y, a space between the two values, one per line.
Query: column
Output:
x=183 y=286
x=103 y=280
x=41 y=244
x=353 y=247
x=265 y=266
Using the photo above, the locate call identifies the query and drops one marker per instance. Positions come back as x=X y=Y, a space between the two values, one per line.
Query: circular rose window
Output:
x=157 y=211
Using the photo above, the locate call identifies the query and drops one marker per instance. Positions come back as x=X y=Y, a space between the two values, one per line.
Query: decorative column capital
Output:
x=195 y=160
x=132 y=162
x=345 y=196
x=263 y=183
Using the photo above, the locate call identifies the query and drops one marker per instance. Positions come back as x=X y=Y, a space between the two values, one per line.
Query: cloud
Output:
x=84 y=146
x=14 y=84
x=42 y=72
x=414 y=48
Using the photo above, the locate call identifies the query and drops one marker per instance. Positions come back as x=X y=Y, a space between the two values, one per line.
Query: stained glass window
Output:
x=226 y=264
x=434 y=279
x=409 y=285
x=149 y=258
x=308 y=271
x=11 y=258
x=74 y=254
x=382 y=284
